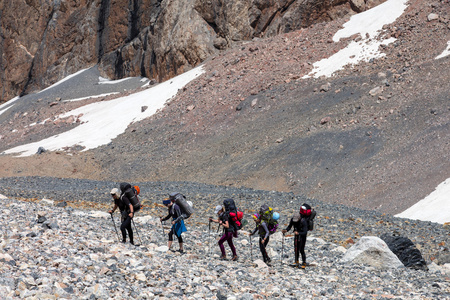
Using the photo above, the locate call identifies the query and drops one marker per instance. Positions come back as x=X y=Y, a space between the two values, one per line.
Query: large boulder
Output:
x=372 y=251
x=406 y=251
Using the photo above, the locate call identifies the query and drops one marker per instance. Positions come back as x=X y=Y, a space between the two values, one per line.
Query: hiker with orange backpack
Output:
x=228 y=231
x=128 y=205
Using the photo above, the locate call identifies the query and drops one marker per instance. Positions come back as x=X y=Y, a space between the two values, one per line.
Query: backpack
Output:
x=136 y=189
x=234 y=214
x=131 y=194
x=266 y=214
x=185 y=206
x=309 y=214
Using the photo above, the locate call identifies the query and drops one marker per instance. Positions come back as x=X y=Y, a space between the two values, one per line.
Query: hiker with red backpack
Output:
x=299 y=222
x=128 y=204
x=178 y=226
x=228 y=231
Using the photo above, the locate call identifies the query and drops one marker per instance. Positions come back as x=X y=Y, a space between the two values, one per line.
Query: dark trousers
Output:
x=126 y=226
x=299 y=247
x=171 y=233
x=227 y=236
x=262 y=247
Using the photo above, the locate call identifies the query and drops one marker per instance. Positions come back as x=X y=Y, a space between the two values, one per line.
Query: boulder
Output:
x=372 y=251
x=406 y=251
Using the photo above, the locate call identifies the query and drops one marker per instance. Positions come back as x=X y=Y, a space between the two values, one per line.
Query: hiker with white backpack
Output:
x=175 y=212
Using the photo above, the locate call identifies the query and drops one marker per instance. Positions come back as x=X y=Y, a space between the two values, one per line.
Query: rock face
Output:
x=372 y=251
x=406 y=251
x=152 y=38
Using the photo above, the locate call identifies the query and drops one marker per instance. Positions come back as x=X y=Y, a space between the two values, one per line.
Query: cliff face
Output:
x=44 y=41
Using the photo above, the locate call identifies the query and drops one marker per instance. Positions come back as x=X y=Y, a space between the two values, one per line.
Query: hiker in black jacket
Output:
x=264 y=236
x=127 y=213
x=228 y=231
x=178 y=226
x=300 y=232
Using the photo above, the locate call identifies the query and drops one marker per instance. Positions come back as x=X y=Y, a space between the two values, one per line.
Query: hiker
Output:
x=127 y=213
x=300 y=228
x=264 y=236
x=178 y=226
x=228 y=232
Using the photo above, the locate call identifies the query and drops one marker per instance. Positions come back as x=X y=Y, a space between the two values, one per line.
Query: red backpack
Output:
x=237 y=217
x=309 y=214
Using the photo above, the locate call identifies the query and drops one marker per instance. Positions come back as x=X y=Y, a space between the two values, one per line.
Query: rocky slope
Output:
x=69 y=250
x=153 y=38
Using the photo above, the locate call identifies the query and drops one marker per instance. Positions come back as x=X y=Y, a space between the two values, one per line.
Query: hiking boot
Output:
x=124 y=241
x=296 y=264
x=303 y=266
x=181 y=251
x=223 y=257
x=235 y=258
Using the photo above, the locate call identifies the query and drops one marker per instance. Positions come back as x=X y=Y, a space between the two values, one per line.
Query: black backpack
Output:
x=131 y=194
x=234 y=216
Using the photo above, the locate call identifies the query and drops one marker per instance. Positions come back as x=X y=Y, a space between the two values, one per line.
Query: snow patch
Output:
x=369 y=25
x=435 y=207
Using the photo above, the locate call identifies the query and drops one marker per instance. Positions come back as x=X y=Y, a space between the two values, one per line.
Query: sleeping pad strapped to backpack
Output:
x=266 y=215
x=186 y=208
x=131 y=193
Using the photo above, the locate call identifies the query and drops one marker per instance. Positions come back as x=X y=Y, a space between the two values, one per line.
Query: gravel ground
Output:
x=71 y=252
x=338 y=224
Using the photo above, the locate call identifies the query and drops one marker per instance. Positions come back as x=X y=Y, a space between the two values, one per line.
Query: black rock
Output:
x=40 y=150
x=406 y=251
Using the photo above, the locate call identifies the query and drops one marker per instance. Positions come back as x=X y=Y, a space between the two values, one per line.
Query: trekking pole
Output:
x=136 y=231
x=162 y=226
x=282 y=250
x=112 y=218
x=251 y=247
x=209 y=237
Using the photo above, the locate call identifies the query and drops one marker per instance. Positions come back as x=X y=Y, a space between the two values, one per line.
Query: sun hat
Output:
x=296 y=217
x=166 y=202
x=115 y=191
x=218 y=208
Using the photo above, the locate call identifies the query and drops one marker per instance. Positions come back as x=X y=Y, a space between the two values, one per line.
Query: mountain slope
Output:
x=374 y=135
